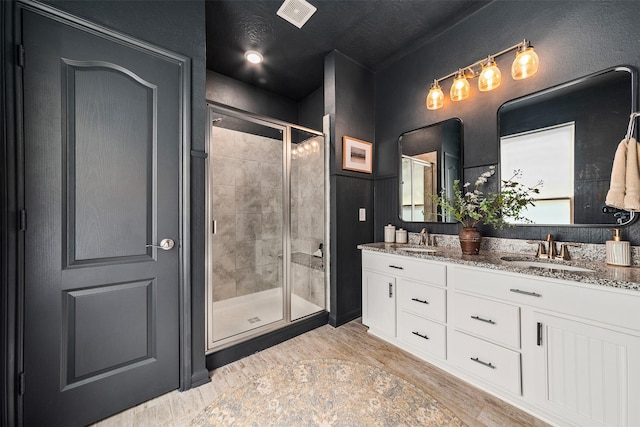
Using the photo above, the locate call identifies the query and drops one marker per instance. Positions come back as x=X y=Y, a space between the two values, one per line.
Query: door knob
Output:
x=165 y=244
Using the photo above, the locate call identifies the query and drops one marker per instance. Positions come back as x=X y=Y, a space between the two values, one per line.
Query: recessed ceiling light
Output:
x=253 y=56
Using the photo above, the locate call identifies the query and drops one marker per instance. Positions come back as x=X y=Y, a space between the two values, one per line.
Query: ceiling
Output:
x=373 y=33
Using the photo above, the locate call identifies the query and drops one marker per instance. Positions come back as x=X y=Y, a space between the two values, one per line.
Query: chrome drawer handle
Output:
x=531 y=294
x=483 y=320
x=487 y=364
x=396 y=267
x=420 y=300
x=420 y=335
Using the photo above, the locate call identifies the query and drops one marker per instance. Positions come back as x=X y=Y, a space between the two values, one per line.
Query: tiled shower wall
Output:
x=246 y=202
x=307 y=219
x=246 y=174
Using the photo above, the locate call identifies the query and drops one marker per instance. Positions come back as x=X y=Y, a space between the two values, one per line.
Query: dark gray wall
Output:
x=178 y=26
x=572 y=39
x=349 y=100
x=234 y=93
x=311 y=110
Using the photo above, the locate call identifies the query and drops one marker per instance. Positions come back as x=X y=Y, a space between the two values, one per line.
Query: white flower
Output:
x=466 y=184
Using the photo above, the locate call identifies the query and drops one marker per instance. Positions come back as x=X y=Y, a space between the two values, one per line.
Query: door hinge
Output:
x=22 y=220
x=20 y=56
x=21 y=384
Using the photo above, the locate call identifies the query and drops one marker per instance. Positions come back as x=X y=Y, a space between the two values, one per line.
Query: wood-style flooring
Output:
x=348 y=342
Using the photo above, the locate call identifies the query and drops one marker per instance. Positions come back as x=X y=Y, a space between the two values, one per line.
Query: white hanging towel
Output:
x=632 y=178
x=615 y=195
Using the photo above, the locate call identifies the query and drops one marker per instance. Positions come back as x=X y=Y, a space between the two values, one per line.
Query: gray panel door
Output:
x=102 y=132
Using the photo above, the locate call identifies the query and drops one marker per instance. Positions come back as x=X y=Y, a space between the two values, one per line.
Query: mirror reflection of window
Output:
x=544 y=154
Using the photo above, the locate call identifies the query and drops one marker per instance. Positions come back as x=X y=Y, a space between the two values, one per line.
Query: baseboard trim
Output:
x=336 y=321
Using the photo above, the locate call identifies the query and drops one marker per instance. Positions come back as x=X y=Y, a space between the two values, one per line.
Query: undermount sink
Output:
x=414 y=249
x=520 y=262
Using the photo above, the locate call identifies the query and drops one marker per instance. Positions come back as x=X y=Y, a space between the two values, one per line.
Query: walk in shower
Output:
x=266 y=225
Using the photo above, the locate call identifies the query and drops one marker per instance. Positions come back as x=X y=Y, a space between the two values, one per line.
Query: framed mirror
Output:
x=430 y=159
x=567 y=136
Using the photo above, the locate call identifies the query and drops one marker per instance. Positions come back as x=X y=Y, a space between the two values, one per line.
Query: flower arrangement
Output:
x=473 y=207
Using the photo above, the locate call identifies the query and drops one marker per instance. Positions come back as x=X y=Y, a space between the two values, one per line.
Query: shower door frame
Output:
x=214 y=108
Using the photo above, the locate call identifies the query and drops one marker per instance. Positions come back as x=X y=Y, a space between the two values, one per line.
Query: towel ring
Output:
x=632 y=125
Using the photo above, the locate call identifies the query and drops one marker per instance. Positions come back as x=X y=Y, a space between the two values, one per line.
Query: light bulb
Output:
x=526 y=62
x=460 y=89
x=490 y=77
x=315 y=146
x=253 y=56
x=435 y=98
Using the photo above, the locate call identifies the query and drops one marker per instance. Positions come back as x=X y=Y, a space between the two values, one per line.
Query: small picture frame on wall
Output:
x=357 y=155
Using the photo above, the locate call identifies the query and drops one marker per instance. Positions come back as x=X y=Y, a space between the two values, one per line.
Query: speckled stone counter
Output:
x=602 y=274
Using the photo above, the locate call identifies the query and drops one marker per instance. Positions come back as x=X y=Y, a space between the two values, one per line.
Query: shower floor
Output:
x=234 y=316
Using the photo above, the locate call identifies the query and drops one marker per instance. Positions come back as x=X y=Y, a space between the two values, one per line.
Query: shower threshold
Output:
x=241 y=314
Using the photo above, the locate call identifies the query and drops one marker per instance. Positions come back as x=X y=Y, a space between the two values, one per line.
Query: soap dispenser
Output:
x=618 y=250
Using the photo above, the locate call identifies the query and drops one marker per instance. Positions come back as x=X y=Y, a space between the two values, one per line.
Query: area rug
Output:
x=326 y=392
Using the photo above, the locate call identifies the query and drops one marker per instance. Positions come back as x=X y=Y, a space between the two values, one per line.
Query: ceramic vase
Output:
x=470 y=239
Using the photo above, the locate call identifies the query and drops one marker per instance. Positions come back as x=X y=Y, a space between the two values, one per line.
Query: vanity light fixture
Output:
x=489 y=76
x=435 y=99
x=460 y=89
x=253 y=56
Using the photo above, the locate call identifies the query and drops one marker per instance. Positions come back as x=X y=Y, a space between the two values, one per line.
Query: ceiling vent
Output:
x=296 y=12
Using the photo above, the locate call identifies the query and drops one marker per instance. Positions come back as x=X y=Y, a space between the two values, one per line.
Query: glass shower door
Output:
x=307 y=202
x=245 y=253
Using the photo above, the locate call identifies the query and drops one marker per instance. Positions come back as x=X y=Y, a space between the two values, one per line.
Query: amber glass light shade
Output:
x=526 y=63
x=460 y=89
x=435 y=98
x=490 y=77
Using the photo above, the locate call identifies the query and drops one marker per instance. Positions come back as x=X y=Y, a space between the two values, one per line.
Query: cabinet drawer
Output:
x=410 y=268
x=422 y=334
x=488 y=319
x=599 y=303
x=424 y=300
x=491 y=362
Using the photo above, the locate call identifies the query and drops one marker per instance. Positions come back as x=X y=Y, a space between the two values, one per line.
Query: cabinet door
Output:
x=379 y=303
x=586 y=373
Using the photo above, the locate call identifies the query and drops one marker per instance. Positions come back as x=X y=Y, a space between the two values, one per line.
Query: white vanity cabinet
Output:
x=580 y=344
x=587 y=373
x=379 y=303
x=404 y=301
x=567 y=352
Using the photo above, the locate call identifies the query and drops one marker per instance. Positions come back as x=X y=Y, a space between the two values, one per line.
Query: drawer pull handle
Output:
x=390 y=290
x=420 y=300
x=531 y=294
x=487 y=364
x=396 y=267
x=420 y=335
x=483 y=320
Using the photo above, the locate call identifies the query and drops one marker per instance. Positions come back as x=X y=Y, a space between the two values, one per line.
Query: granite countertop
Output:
x=602 y=274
